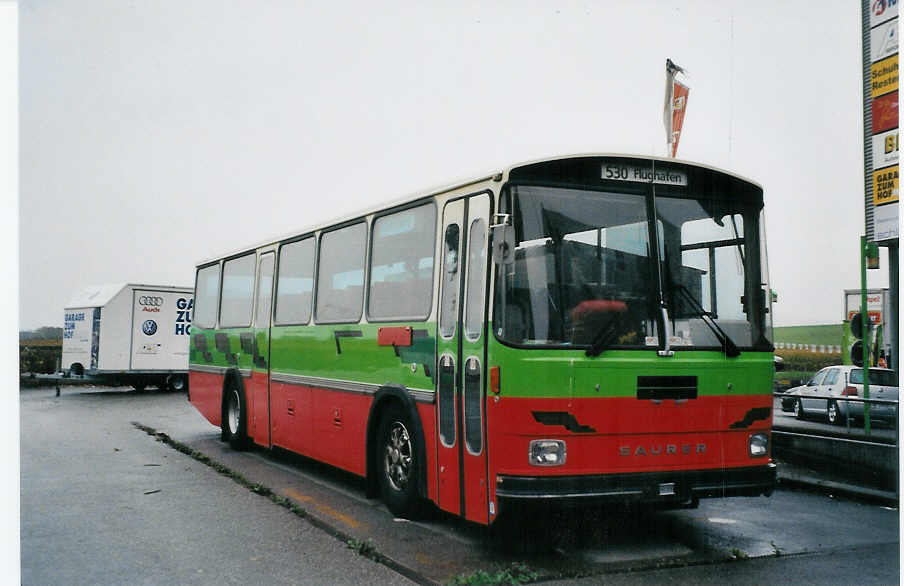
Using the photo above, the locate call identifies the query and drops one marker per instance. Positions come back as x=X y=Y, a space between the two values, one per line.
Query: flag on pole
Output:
x=675 y=106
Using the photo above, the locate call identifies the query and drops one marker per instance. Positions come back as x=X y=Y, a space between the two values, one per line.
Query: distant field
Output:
x=827 y=335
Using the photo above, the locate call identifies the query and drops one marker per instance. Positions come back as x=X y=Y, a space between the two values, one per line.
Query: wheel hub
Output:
x=234 y=412
x=397 y=461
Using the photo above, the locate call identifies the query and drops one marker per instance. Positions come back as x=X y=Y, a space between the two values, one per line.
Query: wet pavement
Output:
x=689 y=546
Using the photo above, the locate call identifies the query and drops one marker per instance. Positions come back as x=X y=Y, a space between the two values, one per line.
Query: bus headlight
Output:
x=759 y=445
x=546 y=453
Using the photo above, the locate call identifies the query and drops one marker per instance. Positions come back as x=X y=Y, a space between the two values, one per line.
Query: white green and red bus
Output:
x=590 y=328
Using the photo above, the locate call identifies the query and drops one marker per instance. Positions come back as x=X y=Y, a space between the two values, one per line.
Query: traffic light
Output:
x=872 y=255
x=859 y=328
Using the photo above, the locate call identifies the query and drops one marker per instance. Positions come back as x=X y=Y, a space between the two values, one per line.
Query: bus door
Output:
x=461 y=359
x=259 y=386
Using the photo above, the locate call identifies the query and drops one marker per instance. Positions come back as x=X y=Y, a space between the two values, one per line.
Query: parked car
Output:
x=816 y=397
x=790 y=398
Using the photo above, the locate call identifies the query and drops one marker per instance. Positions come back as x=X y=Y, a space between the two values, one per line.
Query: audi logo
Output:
x=151 y=301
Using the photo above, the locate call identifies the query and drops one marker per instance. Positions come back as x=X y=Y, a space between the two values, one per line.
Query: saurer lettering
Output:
x=658 y=450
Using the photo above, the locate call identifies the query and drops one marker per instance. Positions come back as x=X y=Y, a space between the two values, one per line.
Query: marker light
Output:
x=546 y=453
x=759 y=445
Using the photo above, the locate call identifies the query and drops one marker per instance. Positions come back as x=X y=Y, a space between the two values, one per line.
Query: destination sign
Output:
x=623 y=172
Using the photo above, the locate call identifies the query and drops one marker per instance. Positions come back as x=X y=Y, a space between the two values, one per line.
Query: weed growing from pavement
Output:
x=738 y=554
x=517 y=573
x=365 y=548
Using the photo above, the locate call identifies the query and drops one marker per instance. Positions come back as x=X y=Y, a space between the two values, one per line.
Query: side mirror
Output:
x=503 y=244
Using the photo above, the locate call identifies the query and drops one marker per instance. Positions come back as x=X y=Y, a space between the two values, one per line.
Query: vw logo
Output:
x=149 y=327
x=151 y=301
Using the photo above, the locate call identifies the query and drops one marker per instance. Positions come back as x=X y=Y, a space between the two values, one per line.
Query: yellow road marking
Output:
x=322 y=507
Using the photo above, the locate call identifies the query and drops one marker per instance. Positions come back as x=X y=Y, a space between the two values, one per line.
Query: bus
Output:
x=580 y=329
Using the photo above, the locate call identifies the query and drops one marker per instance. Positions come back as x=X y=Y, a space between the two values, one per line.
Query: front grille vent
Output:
x=658 y=388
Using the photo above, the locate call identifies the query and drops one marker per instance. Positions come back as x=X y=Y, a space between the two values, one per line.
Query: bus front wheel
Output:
x=397 y=463
x=235 y=422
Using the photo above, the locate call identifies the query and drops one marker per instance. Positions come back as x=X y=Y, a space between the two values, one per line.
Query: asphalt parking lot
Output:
x=108 y=497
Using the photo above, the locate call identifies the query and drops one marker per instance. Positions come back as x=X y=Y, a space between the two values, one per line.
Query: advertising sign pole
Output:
x=864 y=319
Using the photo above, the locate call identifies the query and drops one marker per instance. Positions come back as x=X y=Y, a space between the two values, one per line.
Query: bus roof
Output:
x=498 y=176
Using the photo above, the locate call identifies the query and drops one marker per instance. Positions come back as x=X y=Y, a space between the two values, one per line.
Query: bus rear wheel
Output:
x=235 y=420
x=397 y=463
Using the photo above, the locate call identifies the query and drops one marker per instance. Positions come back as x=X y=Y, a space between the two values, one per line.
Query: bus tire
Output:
x=397 y=467
x=235 y=420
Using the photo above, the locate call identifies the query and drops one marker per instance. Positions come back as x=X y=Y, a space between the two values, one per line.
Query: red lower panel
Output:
x=290 y=417
x=475 y=486
x=621 y=435
x=427 y=413
x=257 y=395
x=330 y=426
x=205 y=393
x=449 y=477
x=338 y=428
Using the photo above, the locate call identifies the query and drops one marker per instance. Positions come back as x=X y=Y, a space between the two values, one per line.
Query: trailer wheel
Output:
x=397 y=464
x=235 y=423
x=139 y=386
x=175 y=382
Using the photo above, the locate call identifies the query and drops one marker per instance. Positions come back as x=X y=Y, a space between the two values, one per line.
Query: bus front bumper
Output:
x=649 y=487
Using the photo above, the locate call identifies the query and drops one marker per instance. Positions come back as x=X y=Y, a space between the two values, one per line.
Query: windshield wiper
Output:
x=603 y=337
x=728 y=346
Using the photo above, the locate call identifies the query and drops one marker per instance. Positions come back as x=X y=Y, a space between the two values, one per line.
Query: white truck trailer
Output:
x=129 y=334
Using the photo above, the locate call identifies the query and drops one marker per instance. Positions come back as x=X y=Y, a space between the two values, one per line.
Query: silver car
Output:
x=825 y=394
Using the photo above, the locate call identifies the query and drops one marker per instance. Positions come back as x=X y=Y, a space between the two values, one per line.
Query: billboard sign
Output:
x=880 y=118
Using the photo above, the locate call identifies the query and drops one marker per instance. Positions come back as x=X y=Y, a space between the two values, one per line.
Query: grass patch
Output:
x=827 y=335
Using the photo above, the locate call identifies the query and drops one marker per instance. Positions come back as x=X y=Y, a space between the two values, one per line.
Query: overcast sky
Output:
x=154 y=135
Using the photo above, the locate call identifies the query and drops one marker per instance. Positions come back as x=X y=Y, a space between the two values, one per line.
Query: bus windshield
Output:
x=589 y=270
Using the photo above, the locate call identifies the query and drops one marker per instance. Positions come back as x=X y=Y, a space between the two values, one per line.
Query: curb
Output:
x=793 y=478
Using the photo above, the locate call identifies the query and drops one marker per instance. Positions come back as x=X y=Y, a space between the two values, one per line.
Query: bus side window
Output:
x=264 y=291
x=206 y=294
x=401 y=269
x=477 y=256
x=238 y=292
x=340 y=275
x=295 y=282
x=450 y=276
